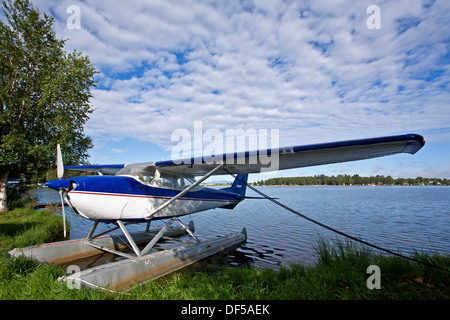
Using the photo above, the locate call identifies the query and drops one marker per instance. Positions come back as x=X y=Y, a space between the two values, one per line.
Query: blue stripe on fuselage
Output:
x=128 y=186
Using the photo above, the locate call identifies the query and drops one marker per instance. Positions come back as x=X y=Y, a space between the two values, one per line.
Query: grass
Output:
x=339 y=274
x=22 y=227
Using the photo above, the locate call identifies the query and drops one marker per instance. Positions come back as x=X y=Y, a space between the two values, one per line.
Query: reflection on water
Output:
x=398 y=218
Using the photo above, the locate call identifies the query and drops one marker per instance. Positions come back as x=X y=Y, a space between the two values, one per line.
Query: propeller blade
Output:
x=59 y=162
x=63 y=211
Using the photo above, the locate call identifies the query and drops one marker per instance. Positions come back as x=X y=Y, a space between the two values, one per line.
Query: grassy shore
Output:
x=340 y=273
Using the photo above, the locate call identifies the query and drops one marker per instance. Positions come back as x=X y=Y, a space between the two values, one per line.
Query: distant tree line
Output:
x=355 y=179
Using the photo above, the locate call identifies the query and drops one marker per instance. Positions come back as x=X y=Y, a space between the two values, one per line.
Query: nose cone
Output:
x=58 y=184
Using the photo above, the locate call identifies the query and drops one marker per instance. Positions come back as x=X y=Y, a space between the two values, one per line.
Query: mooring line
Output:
x=333 y=229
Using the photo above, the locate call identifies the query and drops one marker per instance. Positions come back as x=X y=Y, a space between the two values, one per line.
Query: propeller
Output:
x=59 y=162
x=60 y=174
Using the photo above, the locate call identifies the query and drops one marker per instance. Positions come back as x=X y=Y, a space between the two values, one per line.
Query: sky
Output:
x=316 y=71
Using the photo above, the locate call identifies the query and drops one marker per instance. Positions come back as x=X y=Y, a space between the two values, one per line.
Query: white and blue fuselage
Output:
x=128 y=198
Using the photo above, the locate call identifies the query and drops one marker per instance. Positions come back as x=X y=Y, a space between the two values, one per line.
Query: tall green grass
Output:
x=340 y=273
x=25 y=226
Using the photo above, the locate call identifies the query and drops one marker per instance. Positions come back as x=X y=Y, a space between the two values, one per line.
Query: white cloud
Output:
x=312 y=69
x=115 y=150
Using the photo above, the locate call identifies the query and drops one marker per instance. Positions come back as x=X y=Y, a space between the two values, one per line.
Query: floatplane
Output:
x=123 y=194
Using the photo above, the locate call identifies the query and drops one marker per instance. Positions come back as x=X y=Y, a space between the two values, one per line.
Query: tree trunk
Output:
x=4 y=172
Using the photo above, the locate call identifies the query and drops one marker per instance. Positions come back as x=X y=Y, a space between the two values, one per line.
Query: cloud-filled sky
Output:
x=311 y=69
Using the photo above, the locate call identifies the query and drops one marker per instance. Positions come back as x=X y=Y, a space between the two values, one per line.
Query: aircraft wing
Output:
x=272 y=160
x=107 y=168
x=295 y=156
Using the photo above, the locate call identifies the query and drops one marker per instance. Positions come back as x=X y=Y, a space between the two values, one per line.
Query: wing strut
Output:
x=186 y=190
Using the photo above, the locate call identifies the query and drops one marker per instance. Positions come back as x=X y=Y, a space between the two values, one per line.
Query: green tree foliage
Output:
x=44 y=95
x=324 y=180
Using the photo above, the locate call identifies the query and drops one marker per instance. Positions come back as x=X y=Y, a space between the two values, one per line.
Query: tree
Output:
x=44 y=96
x=389 y=180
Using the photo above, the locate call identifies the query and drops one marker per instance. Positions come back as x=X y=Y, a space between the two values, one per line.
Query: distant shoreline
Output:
x=354 y=180
x=327 y=185
x=348 y=185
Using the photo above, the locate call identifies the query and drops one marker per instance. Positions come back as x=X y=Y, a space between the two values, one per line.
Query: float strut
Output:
x=187 y=230
x=129 y=238
x=157 y=237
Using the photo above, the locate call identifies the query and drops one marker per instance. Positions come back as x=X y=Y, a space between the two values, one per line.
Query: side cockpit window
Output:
x=147 y=179
x=168 y=182
x=171 y=182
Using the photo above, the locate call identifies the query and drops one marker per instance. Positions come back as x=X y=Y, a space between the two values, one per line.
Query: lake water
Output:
x=398 y=218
